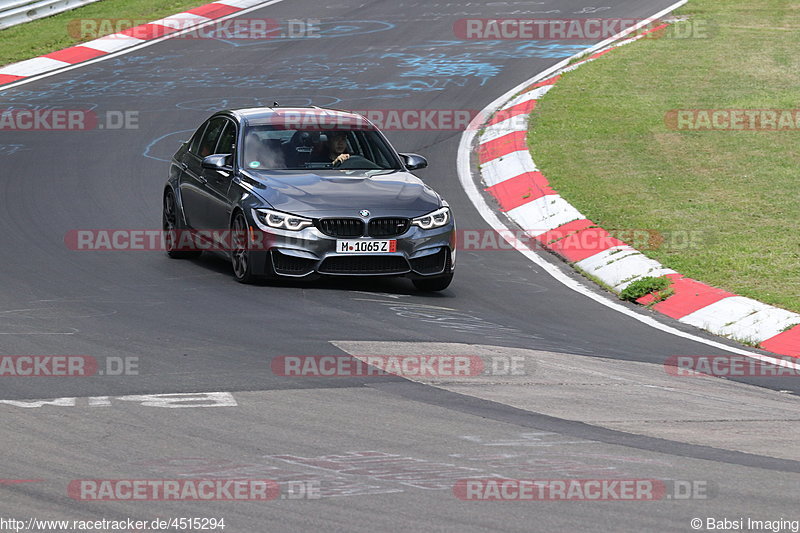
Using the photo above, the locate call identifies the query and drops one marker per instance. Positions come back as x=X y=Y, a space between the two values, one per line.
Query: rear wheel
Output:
x=171 y=225
x=240 y=250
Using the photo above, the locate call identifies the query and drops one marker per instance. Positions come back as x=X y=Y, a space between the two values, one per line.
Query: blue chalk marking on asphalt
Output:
x=71 y=89
x=546 y=50
x=422 y=85
x=483 y=50
x=370 y=97
x=11 y=149
x=211 y=105
x=23 y=95
x=443 y=65
x=154 y=142
x=504 y=49
x=351 y=27
x=12 y=105
x=130 y=59
x=435 y=69
x=325 y=30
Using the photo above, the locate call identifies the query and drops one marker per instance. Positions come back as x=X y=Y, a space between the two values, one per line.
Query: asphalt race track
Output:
x=596 y=403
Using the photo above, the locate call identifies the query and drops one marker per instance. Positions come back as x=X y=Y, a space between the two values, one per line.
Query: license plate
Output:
x=366 y=247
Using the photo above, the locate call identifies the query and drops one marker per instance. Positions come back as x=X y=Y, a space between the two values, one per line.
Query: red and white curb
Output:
x=525 y=196
x=117 y=42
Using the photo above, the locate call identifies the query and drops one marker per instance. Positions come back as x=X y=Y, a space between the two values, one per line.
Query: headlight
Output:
x=436 y=219
x=278 y=220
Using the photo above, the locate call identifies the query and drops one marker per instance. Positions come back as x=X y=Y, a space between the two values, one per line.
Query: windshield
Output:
x=271 y=147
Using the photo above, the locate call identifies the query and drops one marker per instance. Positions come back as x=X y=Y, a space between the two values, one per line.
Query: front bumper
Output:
x=310 y=253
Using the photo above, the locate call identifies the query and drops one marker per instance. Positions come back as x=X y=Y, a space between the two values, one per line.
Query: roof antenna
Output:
x=275 y=104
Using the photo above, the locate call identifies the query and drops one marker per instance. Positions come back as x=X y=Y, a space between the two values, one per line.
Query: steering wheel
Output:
x=356 y=162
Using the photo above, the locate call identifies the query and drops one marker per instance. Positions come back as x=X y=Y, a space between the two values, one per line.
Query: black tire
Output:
x=438 y=283
x=241 y=260
x=171 y=224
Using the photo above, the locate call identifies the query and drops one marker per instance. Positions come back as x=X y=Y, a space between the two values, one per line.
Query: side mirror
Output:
x=414 y=161
x=217 y=162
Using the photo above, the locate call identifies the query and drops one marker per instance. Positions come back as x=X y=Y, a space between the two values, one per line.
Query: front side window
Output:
x=211 y=136
x=227 y=141
x=194 y=144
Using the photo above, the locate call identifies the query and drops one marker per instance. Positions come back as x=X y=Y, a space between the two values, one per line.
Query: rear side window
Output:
x=211 y=136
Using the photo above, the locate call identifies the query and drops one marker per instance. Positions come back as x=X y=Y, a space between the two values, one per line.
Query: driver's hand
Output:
x=341 y=158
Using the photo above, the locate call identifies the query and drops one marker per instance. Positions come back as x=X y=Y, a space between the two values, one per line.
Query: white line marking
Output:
x=167 y=400
x=36 y=333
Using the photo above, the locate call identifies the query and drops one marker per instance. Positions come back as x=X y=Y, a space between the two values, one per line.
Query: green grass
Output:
x=54 y=33
x=643 y=286
x=600 y=137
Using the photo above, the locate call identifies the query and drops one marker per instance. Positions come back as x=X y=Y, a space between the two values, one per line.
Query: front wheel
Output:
x=240 y=251
x=438 y=283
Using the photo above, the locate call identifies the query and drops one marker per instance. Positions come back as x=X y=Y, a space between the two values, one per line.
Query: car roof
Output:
x=269 y=115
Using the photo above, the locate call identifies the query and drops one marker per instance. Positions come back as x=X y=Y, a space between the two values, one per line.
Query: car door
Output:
x=218 y=183
x=193 y=189
x=190 y=186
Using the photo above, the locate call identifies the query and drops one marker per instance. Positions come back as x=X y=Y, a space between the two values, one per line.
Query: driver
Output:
x=334 y=151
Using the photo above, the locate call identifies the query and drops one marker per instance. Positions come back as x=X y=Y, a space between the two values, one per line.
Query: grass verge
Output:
x=46 y=35
x=724 y=203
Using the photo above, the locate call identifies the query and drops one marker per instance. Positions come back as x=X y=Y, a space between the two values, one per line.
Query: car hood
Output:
x=343 y=193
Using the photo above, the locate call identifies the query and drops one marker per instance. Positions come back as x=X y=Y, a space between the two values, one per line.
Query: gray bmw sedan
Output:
x=304 y=192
